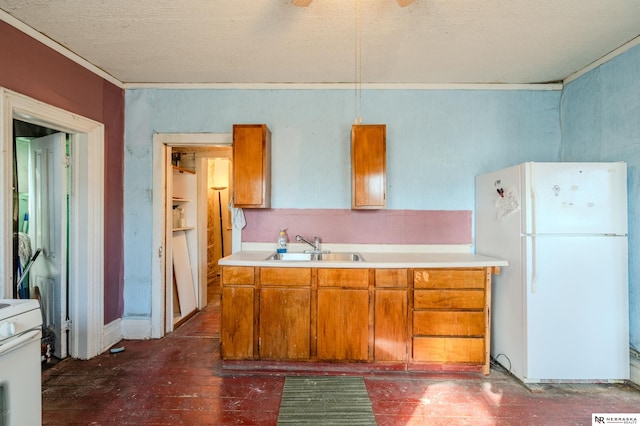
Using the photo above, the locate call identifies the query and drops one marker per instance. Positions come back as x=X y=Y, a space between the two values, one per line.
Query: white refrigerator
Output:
x=560 y=310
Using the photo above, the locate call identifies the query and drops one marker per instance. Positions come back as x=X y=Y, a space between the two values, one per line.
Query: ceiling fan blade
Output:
x=305 y=3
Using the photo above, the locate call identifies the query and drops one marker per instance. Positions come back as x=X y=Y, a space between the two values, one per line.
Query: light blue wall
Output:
x=600 y=114
x=437 y=142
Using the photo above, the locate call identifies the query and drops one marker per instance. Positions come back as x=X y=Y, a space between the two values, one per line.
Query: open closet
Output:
x=199 y=227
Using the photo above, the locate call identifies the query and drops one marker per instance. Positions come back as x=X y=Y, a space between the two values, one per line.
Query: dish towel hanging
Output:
x=237 y=216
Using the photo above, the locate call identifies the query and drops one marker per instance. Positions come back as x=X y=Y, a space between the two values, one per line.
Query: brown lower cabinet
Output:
x=237 y=313
x=285 y=313
x=343 y=314
x=416 y=317
x=451 y=321
x=237 y=335
x=390 y=315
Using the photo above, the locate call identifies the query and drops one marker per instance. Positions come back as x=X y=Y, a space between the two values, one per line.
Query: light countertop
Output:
x=371 y=260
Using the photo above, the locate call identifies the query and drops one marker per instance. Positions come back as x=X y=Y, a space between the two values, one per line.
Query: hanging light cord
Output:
x=357 y=77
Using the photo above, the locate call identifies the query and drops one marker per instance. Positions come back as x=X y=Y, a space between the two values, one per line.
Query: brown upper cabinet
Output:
x=368 y=166
x=251 y=166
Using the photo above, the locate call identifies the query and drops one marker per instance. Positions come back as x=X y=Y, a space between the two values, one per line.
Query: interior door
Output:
x=48 y=232
x=167 y=238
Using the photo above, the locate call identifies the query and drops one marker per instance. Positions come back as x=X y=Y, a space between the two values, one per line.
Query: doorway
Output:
x=216 y=163
x=41 y=181
x=162 y=287
x=85 y=226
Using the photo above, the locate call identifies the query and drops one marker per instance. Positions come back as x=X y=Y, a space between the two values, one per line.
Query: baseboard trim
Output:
x=111 y=334
x=136 y=329
x=635 y=370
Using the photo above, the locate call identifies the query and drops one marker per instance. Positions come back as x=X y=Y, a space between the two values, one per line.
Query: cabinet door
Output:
x=236 y=331
x=368 y=166
x=390 y=324
x=343 y=330
x=251 y=165
x=285 y=323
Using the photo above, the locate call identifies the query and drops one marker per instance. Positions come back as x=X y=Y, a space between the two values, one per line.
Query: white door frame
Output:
x=161 y=144
x=86 y=214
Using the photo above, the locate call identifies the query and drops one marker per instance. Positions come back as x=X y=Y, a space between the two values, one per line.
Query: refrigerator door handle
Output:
x=534 y=269
x=532 y=200
x=530 y=261
x=532 y=213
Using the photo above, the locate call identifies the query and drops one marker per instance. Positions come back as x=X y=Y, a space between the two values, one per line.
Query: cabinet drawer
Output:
x=285 y=276
x=448 y=349
x=449 y=278
x=448 y=299
x=442 y=323
x=345 y=278
x=391 y=278
x=238 y=275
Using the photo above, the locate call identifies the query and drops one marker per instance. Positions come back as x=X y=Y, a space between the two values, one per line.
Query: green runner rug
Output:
x=334 y=400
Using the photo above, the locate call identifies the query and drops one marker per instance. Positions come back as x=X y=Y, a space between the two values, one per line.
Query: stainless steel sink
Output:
x=326 y=257
x=292 y=256
x=340 y=257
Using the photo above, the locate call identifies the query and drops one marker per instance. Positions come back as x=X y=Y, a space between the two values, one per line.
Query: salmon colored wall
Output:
x=360 y=226
x=33 y=69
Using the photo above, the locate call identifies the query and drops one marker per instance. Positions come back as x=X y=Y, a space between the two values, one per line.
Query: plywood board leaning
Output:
x=182 y=270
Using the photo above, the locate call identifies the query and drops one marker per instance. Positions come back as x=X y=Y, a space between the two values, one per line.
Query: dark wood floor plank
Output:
x=180 y=379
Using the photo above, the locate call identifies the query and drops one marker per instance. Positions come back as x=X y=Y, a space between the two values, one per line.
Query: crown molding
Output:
x=606 y=58
x=4 y=16
x=344 y=86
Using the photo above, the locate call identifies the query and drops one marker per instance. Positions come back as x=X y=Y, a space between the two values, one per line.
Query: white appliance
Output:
x=20 y=367
x=560 y=310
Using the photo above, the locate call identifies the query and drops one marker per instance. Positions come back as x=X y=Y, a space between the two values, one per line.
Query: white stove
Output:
x=20 y=382
x=16 y=309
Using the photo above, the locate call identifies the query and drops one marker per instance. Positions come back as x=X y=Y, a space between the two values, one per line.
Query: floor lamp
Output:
x=220 y=189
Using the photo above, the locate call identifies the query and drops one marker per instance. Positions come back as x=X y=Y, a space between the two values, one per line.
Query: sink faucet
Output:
x=315 y=244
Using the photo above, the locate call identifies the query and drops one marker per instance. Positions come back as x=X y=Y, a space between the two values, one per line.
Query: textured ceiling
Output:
x=335 y=41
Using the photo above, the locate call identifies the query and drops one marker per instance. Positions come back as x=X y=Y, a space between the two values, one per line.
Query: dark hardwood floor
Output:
x=179 y=380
